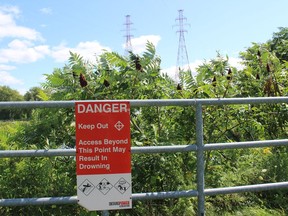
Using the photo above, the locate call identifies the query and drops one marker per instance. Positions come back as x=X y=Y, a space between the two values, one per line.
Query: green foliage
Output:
x=36 y=94
x=245 y=211
x=7 y=131
x=279 y=44
x=113 y=77
x=139 y=77
x=8 y=94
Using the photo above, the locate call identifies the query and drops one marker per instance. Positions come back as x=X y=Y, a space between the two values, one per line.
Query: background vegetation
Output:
x=264 y=73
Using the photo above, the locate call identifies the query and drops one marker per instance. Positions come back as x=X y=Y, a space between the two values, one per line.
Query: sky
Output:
x=36 y=36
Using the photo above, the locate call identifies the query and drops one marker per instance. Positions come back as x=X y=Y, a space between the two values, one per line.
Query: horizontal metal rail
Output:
x=37 y=153
x=71 y=104
x=73 y=199
x=163 y=149
x=148 y=149
x=38 y=201
x=246 y=188
x=164 y=195
x=148 y=196
x=72 y=152
x=248 y=144
x=151 y=102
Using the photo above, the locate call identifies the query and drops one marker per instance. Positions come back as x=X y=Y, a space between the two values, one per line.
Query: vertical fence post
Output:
x=200 y=160
x=105 y=213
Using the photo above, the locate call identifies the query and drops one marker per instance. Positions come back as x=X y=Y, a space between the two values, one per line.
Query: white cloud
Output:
x=19 y=44
x=236 y=62
x=47 y=11
x=171 y=72
x=7 y=67
x=22 y=91
x=8 y=79
x=23 y=51
x=139 y=43
x=87 y=49
x=9 y=28
x=10 y=9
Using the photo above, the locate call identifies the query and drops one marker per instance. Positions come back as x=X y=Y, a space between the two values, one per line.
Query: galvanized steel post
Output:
x=200 y=160
x=105 y=213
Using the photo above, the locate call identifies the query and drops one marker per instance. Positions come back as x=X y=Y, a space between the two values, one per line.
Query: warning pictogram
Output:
x=119 y=125
x=104 y=186
x=86 y=187
x=122 y=185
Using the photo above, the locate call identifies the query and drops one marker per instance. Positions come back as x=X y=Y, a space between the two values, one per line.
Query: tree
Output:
x=279 y=44
x=8 y=94
x=35 y=94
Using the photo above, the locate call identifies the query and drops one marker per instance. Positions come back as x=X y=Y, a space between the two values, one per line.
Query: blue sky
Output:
x=36 y=36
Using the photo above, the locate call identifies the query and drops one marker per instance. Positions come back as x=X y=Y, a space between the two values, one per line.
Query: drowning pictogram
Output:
x=104 y=186
x=86 y=187
x=122 y=185
x=119 y=125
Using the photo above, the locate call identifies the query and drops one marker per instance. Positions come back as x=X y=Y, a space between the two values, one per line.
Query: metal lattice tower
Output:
x=128 y=44
x=182 y=57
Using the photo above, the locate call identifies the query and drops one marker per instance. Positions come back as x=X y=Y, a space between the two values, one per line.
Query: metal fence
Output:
x=200 y=147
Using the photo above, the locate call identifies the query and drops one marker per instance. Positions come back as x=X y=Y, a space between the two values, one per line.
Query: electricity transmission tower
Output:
x=182 y=56
x=128 y=44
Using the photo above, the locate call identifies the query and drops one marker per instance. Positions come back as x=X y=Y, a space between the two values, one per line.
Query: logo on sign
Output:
x=120 y=204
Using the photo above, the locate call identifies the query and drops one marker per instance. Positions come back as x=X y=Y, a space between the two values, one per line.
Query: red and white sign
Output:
x=103 y=155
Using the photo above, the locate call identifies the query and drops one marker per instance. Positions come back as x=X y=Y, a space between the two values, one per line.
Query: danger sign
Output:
x=103 y=155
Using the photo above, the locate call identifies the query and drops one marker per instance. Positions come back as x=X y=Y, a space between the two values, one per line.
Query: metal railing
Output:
x=200 y=147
